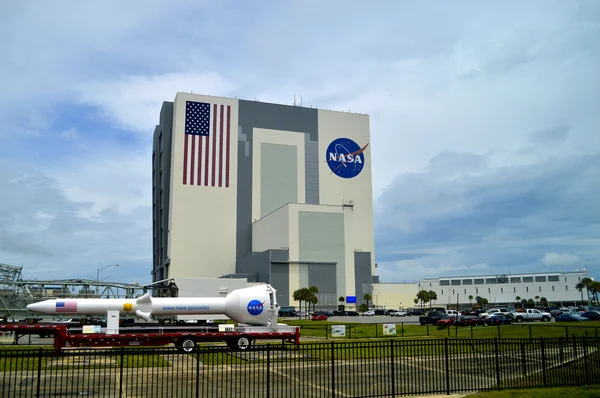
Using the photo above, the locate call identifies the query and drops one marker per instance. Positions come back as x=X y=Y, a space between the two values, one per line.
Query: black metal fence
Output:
x=358 y=369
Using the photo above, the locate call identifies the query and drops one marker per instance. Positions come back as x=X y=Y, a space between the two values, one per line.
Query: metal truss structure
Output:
x=16 y=293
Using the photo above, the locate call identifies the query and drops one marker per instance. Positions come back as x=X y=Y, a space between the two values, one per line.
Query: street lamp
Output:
x=102 y=269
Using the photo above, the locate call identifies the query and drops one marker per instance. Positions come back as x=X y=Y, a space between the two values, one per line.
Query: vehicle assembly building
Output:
x=272 y=193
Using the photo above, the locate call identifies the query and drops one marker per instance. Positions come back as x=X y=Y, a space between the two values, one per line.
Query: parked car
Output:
x=532 y=314
x=469 y=320
x=431 y=318
x=591 y=315
x=351 y=313
x=416 y=311
x=369 y=313
x=570 y=317
x=319 y=317
x=446 y=320
x=499 y=318
x=398 y=313
x=453 y=312
x=380 y=311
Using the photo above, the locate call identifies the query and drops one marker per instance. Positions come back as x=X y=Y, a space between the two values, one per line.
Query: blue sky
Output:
x=484 y=119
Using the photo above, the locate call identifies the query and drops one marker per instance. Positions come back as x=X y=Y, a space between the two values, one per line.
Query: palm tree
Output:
x=313 y=290
x=367 y=297
x=341 y=299
x=471 y=300
x=431 y=296
x=518 y=298
x=537 y=298
x=595 y=289
x=584 y=284
x=300 y=296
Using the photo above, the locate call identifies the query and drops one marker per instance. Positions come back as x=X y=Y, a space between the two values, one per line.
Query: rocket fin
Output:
x=144 y=315
x=146 y=298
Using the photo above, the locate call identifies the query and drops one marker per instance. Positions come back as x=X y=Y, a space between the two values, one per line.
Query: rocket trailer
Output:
x=254 y=308
x=241 y=337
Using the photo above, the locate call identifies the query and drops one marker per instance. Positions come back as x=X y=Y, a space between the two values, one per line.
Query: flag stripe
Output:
x=193 y=157
x=221 y=147
x=214 y=146
x=200 y=140
x=227 y=147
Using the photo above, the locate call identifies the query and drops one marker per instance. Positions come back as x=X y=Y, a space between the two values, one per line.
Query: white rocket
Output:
x=253 y=305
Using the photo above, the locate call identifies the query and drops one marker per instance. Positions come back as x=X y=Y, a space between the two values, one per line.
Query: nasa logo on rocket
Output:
x=255 y=307
x=345 y=157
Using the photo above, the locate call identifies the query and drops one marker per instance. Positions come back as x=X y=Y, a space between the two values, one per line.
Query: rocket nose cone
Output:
x=42 y=306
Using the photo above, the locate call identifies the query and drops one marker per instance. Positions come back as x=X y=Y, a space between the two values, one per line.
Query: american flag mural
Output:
x=206 y=152
x=66 y=306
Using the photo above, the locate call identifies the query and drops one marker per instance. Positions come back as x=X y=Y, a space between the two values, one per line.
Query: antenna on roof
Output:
x=294 y=99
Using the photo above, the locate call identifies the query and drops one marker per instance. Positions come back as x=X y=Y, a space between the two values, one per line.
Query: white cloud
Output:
x=562 y=260
x=133 y=103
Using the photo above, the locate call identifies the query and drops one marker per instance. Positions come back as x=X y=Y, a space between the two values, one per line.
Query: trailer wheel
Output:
x=187 y=345
x=241 y=343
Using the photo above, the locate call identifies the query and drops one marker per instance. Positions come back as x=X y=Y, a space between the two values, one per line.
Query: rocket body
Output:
x=254 y=305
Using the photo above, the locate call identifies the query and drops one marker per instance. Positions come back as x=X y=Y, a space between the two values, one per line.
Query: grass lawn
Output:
x=571 y=392
x=414 y=331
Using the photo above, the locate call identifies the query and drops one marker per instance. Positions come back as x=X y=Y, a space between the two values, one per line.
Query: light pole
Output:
x=102 y=269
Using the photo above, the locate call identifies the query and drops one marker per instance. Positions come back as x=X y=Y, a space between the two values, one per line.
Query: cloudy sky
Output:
x=485 y=122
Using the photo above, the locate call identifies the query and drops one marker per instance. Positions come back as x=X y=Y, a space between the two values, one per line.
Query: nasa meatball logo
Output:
x=255 y=307
x=345 y=157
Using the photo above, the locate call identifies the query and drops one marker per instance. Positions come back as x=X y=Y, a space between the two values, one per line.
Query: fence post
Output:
x=497 y=355
x=585 y=362
x=523 y=359
x=121 y=372
x=447 y=366
x=197 y=372
x=268 y=370
x=393 y=367
x=332 y=370
x=39 y=373
x=544 y=378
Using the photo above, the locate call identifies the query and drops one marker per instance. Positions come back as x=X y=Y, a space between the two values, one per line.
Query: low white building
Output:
x=557 y=287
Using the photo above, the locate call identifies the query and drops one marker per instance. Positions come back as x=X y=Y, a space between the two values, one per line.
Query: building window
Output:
x=527 y=288
x=452 y=291
x=455 y=282
x=553 y=278
x=501 y=290
x=540 y=288
x=479 y=281
x=515 y=279
x=477 y=290
x=444 y=282
x=540 y=278
x=429 y=284
x=489 y=289
x=467 y=281
x=491 y=281
x=566 y=287
x=442 y=291
x=552 y=287
x=527 y=279
x=565 y=278
x=514 y=289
